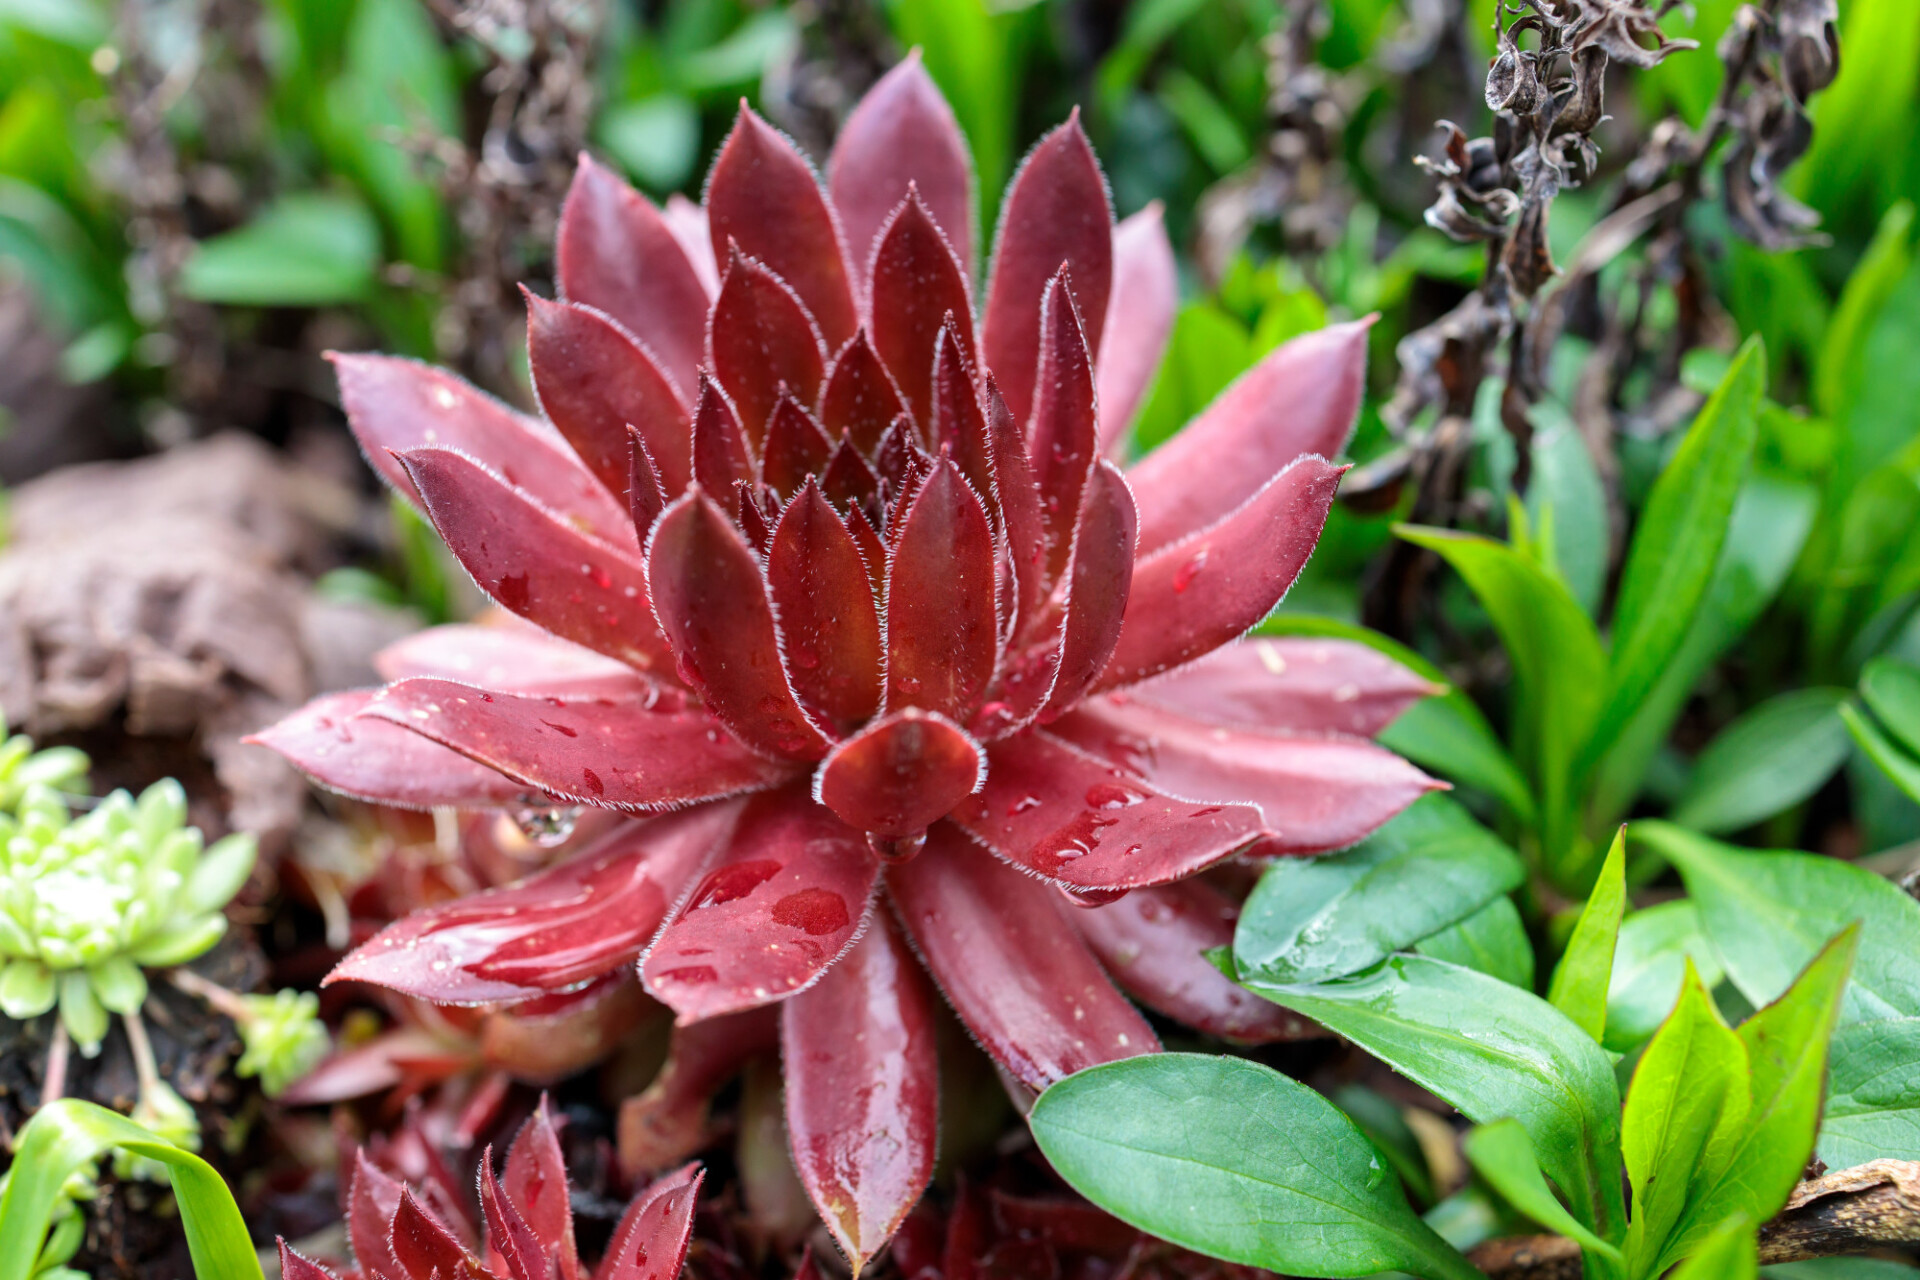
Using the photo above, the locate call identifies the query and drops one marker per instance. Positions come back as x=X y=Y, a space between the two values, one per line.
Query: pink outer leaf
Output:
x=763 y=196
x=1190 y=598
x=295 y=1267
x=560 y=927
x=639 y=754
x=537 y=565
x=688 y=222
x=1152 y=943
x=536 y=1182
x=512 y=1246
x=593 y=381
x=1315 y=793
x=510 y=658
x=422 y=1245
x=618 y=254
x=1301 y=399
x=829 y=627
x=761 y=342
x=372 y=1198
x=1063 y=436
x=650 y=1242
x=918 y=286
x=383 y=1063
x=551 y=1037
x=1294 y=685
x=902 y=133
x=379 y=762
x=901 y=773
x=1055 y=810
x=711 y=597
x=1100 y=577
x=859 y=399
x=863 y=1109
x=668 y=1122
x=394 y=405
x=942 y=630
x=787 y=897
x=1146 y=294
x=1055 y=213
x=1015 y=972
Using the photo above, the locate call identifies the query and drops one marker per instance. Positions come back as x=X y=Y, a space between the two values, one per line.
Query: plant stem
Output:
x=144 y=1067
x=53 y=1085
x=220 y=998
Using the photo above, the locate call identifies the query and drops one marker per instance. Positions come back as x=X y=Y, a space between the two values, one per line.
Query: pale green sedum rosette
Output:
x=22 y=768
x=284 y=1038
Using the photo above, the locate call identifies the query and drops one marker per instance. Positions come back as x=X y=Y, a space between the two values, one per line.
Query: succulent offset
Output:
x=86 y=904
x=824 y=570
x=22 y=767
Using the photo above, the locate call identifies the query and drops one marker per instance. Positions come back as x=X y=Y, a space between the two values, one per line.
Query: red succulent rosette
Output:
x=834 y=584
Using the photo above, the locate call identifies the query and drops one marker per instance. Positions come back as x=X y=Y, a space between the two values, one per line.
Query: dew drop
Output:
x=1025 y=804
x=547 y=827
x=1183 y=576
x=896 y=848
x=1111 y=795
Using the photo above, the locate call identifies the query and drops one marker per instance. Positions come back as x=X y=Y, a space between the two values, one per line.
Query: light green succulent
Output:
x=87 y=903
x=284 y=1038
x=21 y=767
x=166 y=1115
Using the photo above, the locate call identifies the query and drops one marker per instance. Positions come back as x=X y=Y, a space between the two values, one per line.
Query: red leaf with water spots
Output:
x=511 y=657
x=863 y=1111
x=901 y=773
x=668 y=1122
x=942 y=634
x=1061 y=812
x=379 y=762
x=850 y=481
x=763 y=196
x=422 y=1245
x=1300 y=399
x=617 y=253
x=901 y=133
x=1055 y=213
x=1190 y=598
x=1018 y=976
x=1063 y=436
x=959 y=421
x=1316 y=793
x=918 y=286
x=859 y=399
x=650 y=1241
x=760 y=343
x=512 y=1245
x=1099 y=576
x=796 y=448
x=722 y=456
x=1146 y=294
x=594 y=381
x=537 y=565
x=536 y=1182
x=829 y=627
x=646 y=491
x=394 y=405
x=566 y=925
x=1299 y=684
x=711 y=597
x=1152 y=943
x=295 y=1267
x=787 y=897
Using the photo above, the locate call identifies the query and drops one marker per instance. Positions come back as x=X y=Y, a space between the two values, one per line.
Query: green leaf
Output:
x=221 y=872
x=1769 y=914
x=1492 y=940
x=1386 y=1127
x=1492 y=1051
x=1892 y=691
x=744 y=56
x=657 y=139
x=1840 y=1269
x=1310 y=919
x=1649 y=963
x=1504 y=1156
x=1585 y=971
x=1873 y=1094
x=1893 y=759
x=67 y=1136
x=1767 y=761
x=307 y=250
x=1682 y=529
x=1731 y=1252
x=1566 y=489
x=1854 y=132
x=1786 y=1045
x=1836 y=376
x=1682 y=1121
x=1235 y=1160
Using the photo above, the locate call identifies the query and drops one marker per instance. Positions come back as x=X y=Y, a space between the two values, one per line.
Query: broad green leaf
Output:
x=1585 y=971
x=1387 y=1129
x=67 y=1136
x=1786 y=1045
x=1893 y=760
x=1683 y=1116
x=1767 y=761
x=1492 y=1051
x=1492 y=940
x=1769 y=914
x=656 y=139
x=1446 y=733
x=1892 y=691
x=1235 y=1160
x=1649 y=963
x=1876 y=521
x=1504 y=1156
x=1836 y=376
x=1847 y=170
x=1559 y=668
x=1566 y=490
x=1873 y=1094
x=744 y=56
x=306 y=250
x=1731 y=1252
x=1682 y=529
x=1840 y=1269
x=1310 y=919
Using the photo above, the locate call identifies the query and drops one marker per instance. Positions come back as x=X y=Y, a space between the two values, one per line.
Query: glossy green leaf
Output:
x=1581 y=979
x=1386 y=1127
x=307 y=250
x=1731 y=1252
x=1493 y=940
x=1492 y=1051
x=67 y=1136
x=1892 y=692
x=1682 y=1122
x=1682 y=529
x=1310 y=919
x=1235 y=1160
x=1566 y=491
x=1769 y=914
x=1649 y=963
x=1836 y=376
x=1854 y=133
x=1504 y=1156
x=1873 y=1094
x=1767 y=761
x=1893 y=759
x=656 y=139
